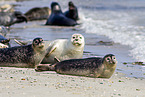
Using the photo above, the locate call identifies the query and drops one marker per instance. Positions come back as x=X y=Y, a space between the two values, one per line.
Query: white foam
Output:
x=118 y=27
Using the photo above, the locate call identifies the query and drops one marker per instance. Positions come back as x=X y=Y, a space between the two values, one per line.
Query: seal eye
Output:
x=80 y=37
x=36 y=42
x=108 y=59
x=73 y=37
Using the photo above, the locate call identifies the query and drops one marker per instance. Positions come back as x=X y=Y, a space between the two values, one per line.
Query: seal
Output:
x=72 y=12
x=38 y=13
x=57 y=18
x=23 y=56
x=8 y=19
x=96 y=67
x=3 y=45
x=4 y=42
x=6 y=8
x=4 y=30
x=63 y=49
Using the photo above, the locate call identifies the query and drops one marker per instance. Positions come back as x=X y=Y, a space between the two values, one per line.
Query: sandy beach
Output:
x=104 y=20
x=28 y=83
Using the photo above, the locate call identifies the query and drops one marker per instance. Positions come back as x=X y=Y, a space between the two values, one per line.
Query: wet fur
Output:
x=58 y=18
x=21 y=56
x=38 y=13
x=91 y=67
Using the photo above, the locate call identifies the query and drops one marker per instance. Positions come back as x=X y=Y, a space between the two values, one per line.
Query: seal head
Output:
x=72 y=12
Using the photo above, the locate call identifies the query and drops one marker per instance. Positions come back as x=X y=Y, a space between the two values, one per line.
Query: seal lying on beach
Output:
x=63 y=49
x=38 y=13
x=23 y=56
x=3 y=30
x=91 y=67
x=72 y=12
x=8 y=19
x=58 y=18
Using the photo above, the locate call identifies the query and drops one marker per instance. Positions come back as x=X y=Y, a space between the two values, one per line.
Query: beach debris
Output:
x=120 y=81
x=138 y=63
x=137 y=89
x=125 y=63
x=134 y=63
x=105 y=43
x=23 y=79
x=101 y=83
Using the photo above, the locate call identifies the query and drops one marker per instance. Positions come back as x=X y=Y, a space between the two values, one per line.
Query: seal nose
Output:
x=76 y=39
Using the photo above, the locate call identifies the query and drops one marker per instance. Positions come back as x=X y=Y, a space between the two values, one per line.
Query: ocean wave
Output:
x=118 y=29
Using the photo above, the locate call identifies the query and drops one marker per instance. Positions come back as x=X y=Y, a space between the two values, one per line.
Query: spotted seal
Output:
x=38 y=13
x=23 y=56
x=8 y=19
x=63 y=49
x=57 y=18
x=96 y=67
x=72 y=12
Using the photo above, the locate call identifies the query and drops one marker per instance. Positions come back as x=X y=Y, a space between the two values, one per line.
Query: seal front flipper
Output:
x=50 y=49
x=56 y=59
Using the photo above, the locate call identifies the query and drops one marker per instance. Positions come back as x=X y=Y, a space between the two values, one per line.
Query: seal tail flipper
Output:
x=56 y=59
x=20 y=42
x=45 y=67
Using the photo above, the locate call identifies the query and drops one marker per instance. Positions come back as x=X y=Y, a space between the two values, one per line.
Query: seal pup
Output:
x=8 y=19
x=58 y=18
x=38 y=13
x=96 y=67
x=23 y=56
x=72 y=12
x=63 y=49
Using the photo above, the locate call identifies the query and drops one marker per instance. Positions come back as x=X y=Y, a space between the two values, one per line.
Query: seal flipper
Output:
x=50 y=50
x=20 y=42
x=3 y=45
x=45 y=67
x=56 y=59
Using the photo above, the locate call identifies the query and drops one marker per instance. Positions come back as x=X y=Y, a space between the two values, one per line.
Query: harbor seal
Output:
x=63 y=49
x=7 y=8
x=72 y=12
x=4 y=30
x=38 y=13
x=23 y=56
x=8 y=19
x=96 y=67
x=57 y=18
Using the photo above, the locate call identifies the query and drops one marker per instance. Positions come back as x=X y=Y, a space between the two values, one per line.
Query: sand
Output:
x=20 y=82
